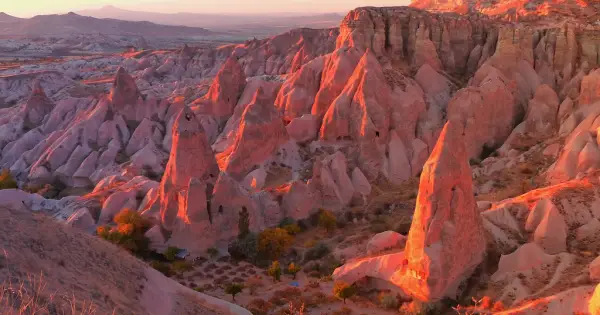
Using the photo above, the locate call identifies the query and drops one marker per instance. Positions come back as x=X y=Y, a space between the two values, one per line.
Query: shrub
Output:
x=127 y=216
x=162 y=267
x=343 y=291
x=7 y=181
x=212 y=252
x=244 y=248
x=233 y=289
x=286 y=221
x=253 y=284
x=292 y=269
x=318 y=251
x=259 y=307
x=272 y=243
x=182 y=266
x=129 y=233
x=390 y=301
x=244 y=223
x=310 y=243
x=171 y=253
x=292 y=229
x=275 y=271
x=327 y=220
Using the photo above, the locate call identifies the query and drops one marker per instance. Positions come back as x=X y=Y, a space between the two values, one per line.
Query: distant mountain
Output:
x=265 y=23
x=71 y=23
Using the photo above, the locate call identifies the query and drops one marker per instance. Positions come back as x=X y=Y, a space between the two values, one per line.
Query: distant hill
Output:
x=72 y=23
x=8 y=18
x=269 y=24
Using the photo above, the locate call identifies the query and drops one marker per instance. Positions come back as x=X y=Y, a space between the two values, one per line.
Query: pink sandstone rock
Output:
x=37 y=106
x=446 y=239
x=590 y=87
x=338 y=68
x=594 y=269
x=297 y=94
x=191 y=158
x=384 y=241
x=225 y=91
x=260 y=134
x=540 y=120
x=551 y=233
x=303 y=129
x=124 y=90
x=488 y=113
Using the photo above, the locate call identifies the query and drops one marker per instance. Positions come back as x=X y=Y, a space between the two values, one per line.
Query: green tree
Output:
x=233 y=289
x=244 y=223
x=343 y=291
x=327 y=220
x=212 y=252
x=275 y=271
x=171 y=253
x=292 y=269
x=7 y=181
x=272 y=243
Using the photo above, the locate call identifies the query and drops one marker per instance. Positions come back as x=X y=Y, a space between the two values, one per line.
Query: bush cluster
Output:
x=7 y=181
x=129 y=232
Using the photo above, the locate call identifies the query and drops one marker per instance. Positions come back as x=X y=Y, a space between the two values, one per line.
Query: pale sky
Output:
x=27 y=8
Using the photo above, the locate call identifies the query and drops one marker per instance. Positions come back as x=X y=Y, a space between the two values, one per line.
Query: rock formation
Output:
x=446 y=239
x=191 y=167
x=261 y=132
x=225 y=91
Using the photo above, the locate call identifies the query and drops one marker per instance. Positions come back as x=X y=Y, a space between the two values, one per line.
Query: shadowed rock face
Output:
x=446 y=239
x=124 y=90
x=37 y=106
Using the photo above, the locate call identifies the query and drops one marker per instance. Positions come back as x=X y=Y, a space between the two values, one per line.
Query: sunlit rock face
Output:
x=260 y=133
x=224 y=92
x=191 y=160
x=512 y=9
x=446 y=239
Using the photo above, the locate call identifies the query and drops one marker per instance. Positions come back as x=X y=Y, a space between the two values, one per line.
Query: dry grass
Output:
x=45 y=264
x=29 y=297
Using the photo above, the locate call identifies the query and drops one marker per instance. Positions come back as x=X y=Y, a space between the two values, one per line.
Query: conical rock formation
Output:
x=225 y=91
x=446 y=239
x=37 y=106
x=191 y=160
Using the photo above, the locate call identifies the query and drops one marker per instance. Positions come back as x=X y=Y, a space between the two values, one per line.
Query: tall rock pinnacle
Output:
x=446 y=240
x=38 y=105
x=191 y=159
x=124 y=90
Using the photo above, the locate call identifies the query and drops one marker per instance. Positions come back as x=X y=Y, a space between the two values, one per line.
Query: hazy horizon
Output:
x=237 y=7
